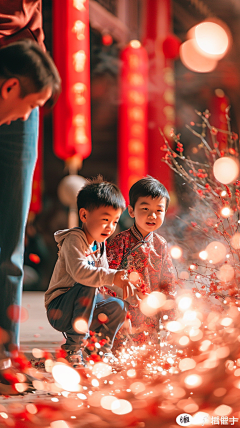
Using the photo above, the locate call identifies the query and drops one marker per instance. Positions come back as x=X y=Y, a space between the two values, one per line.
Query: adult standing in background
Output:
x=21 y=96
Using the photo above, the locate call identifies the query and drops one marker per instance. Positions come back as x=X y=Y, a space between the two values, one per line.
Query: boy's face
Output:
x=100 y=223
x=149 y=213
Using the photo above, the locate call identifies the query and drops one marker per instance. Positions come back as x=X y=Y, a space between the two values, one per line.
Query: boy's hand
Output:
x=122 y=282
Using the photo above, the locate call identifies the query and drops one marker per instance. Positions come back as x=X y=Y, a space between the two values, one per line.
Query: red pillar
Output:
x=161 y=111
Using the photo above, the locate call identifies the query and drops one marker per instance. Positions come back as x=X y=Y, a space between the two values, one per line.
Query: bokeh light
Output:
x=193 y=380
x=121 y=407
x=134 y=277
x=37 y=353
x=192 y=58
x=226 y=170
x=216 y=252
x=226 y=273
x=135 y=44
x=101 y=370
x=212 y=39
x=235 y=241
x=151 y=304
x=80 y=326
x=107 y=401
x=176 y=252
x=184 y=303
x=174 y=326
x=203 y=255
x=66 y=376
x=226 y=212
x=59 y=424
x=187 y=364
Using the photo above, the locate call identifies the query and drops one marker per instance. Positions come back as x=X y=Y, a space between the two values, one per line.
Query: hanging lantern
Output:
x=170 y=46
x=72 y=132
x=133 y=116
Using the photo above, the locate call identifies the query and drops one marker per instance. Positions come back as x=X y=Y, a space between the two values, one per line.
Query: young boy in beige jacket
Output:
x=73 y=302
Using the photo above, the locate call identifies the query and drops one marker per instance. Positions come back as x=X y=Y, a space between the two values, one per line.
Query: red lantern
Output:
x=133 y=116
x=170 y=46
x=72 y=132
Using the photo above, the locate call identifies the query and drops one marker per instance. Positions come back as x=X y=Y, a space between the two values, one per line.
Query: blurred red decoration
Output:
x=34 y=258
x=36 y=200
x=171 y=46
x=133 y=116
x=72 y=131
x=107 y=39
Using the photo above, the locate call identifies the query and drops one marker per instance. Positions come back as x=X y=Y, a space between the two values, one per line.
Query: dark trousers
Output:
x=86 y=303
x=18 y=152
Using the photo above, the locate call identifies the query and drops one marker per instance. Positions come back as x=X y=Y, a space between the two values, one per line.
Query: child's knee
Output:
x=122 y=308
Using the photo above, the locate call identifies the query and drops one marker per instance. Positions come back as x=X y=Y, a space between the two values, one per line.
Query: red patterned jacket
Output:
x=148 y=256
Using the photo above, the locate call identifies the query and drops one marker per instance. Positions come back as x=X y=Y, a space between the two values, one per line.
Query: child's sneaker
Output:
x=75 y=358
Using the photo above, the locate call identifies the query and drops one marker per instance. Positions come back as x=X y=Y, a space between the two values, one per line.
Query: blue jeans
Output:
x=18 y=153
x=86 y=303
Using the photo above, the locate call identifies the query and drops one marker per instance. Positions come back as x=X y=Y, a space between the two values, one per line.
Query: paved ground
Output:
x=36 y=332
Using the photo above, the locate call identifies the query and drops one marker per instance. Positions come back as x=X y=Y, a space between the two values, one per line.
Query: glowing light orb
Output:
x=31 y=408
x=156 y=299
x=134 y=277
x=216 y=251
x=37 y=353
x=49 y=365
x=226 y=321
x=121 y=407
x=107 y=401
x=187 y=364
x=226 y=212
x=66 y=376
x=223 y=410
x=193 y=381
x=212 y=39
x=204 y=345
x=183 y=341
x=101 y=370
x=174 y=326
x=176 y=252
x=102 y=318
x=151 y=304
x=225 y=170
x=80 y=326
x=131 y=373
x=193 y=59
x=203 y=255
x=226 y=273
x=135 y=44
x=235 y=241
x=59 y=424
x=195 y=334
x=137 y=387
x=184 y=303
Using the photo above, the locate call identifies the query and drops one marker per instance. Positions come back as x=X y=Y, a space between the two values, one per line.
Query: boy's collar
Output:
x=138 y=234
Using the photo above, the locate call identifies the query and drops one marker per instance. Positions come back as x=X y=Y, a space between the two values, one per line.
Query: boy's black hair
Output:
x=99 y=193
x=148 y=186
x=33 y=67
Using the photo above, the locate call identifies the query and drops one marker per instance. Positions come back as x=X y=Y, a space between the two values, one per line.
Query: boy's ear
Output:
x=83 y=215
x=131 y=211
x=9 y=87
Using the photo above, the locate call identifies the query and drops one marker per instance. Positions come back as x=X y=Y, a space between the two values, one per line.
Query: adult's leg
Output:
x=115 y=309
x=18 y=152
x=64 y=310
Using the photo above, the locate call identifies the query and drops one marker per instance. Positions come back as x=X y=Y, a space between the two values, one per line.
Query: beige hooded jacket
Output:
x=77 y=263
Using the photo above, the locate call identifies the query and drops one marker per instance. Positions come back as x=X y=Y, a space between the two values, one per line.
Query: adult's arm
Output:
x=21 y=19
